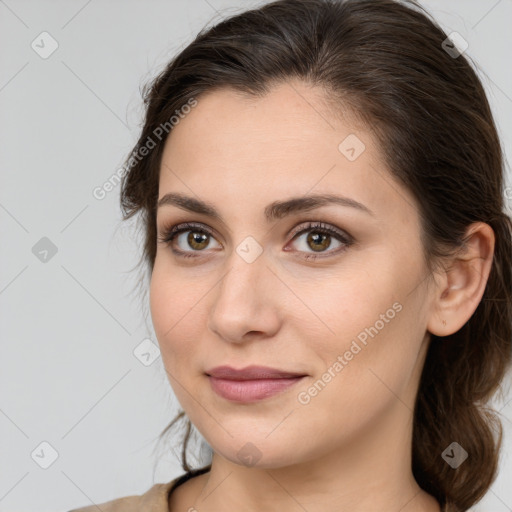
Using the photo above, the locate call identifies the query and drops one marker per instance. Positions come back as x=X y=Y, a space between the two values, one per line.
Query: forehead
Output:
x=289 y=110
x=286 y=143
x=279 y=132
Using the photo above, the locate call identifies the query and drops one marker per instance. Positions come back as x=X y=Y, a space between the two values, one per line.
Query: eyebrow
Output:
x=274 y=211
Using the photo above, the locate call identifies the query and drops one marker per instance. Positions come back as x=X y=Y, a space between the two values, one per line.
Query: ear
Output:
x=461 y=285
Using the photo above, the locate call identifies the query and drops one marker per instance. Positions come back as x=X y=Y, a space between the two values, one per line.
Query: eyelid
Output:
x=170 y=231
x=321 y=226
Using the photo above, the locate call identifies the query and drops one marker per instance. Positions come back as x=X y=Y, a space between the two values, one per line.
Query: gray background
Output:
x=70 y=325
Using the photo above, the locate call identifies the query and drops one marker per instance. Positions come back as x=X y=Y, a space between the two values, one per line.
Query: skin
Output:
x=349 y=448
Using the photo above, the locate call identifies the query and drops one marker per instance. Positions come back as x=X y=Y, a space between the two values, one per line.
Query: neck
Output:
x=370 y=473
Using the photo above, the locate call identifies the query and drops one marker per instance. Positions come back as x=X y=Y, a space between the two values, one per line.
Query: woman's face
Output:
x=344 y=305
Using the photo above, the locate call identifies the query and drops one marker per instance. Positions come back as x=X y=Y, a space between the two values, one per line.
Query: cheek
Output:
x=347 y=305
x=360 y=381
x=175 y=306
x=364 y=330
x=368 y=362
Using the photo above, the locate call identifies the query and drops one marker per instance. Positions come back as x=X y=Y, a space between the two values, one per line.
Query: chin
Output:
x=259 y=452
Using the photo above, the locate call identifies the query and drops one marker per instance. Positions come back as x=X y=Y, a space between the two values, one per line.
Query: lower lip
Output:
x=250 y=390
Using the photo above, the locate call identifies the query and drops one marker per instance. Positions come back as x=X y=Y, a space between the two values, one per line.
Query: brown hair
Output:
x=386 y=60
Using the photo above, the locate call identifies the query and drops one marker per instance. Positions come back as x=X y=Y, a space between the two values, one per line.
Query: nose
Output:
x=245 y=301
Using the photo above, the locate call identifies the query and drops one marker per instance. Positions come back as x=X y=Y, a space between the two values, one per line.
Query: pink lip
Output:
x=251 y=373
x=251 y=383
x=250 y=390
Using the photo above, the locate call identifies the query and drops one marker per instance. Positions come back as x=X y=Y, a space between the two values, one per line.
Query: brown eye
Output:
x=318 y=241
x=189 y=238
x=197 y=240
x=321 y=237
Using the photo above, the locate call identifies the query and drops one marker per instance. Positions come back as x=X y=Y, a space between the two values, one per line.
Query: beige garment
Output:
x=155 y=499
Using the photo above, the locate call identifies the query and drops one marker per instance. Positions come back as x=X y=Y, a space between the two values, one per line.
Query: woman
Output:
x=321 y=188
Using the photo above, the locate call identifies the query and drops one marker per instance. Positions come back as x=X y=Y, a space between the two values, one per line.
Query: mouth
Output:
x=252 y=383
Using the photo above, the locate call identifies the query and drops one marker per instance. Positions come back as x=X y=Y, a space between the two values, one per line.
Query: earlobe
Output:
x=463 y=282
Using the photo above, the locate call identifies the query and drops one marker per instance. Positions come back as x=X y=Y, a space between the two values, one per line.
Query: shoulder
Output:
x=154 y=499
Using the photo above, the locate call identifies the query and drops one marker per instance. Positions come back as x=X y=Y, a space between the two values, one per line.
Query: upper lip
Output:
x=251 y=373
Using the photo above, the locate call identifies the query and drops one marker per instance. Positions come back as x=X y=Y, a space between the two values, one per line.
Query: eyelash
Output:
x=169 y=233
